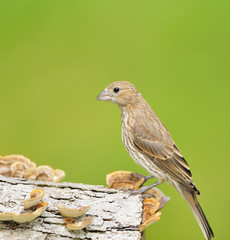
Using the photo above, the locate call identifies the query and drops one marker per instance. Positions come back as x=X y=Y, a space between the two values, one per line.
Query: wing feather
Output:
x=160 y=148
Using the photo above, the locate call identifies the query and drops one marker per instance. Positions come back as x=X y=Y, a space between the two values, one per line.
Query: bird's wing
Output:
x=156 y=143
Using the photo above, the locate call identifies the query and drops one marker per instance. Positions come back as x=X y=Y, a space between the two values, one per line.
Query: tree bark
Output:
x=117 y=215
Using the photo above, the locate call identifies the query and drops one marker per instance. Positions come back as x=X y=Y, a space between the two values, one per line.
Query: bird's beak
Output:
x=104 y=96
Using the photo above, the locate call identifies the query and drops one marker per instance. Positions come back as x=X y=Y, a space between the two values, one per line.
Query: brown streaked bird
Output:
x=150 y=145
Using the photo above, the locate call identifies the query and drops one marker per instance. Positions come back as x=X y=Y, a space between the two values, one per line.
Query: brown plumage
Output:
x=150 y=145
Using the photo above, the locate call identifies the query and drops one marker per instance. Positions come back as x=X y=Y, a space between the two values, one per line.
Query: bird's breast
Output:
x=140 y=158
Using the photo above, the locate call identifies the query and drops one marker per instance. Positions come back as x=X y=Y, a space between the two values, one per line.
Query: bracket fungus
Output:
x=15 y=165
x=58 y=175
x=17 y=170
x=24 y=217
x=45 y=173
x=70 y=225
x=159 y=196
x=154 y=199
x=122 y=180
x=35 y=197
x=72 y=212
x=21 y=167
x=150 y=214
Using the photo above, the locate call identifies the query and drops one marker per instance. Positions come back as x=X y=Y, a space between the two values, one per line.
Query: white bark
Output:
x=117 y=215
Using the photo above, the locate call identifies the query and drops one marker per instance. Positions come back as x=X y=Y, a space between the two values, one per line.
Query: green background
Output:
x=57 y=56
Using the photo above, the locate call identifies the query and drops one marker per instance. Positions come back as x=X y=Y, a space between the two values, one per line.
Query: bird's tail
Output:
x=193 y=203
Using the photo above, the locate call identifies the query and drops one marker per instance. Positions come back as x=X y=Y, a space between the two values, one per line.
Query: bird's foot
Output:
x=138 y=176
x=144 y=189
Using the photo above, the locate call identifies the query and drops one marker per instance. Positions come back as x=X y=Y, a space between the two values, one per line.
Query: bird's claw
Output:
x=138 y=176
x=136 y=192
x=144 y=189
x=132 y=191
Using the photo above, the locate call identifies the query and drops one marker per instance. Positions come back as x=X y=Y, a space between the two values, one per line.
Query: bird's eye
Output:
x=116 y=89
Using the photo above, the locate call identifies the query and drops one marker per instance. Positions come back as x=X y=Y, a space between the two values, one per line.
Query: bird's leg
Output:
x=144 y=189
x=138 y=176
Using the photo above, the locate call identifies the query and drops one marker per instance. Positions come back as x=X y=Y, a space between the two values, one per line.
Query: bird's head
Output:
x=121 y=93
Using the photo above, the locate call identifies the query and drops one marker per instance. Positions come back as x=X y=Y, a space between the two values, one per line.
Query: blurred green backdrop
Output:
x=57 y=56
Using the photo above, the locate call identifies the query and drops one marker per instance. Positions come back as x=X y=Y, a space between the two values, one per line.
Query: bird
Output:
x=150 y=145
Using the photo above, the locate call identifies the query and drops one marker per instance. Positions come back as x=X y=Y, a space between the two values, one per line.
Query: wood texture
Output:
x=117 y=214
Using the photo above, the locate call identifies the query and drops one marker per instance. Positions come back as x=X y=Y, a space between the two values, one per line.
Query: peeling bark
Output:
x=117 y=215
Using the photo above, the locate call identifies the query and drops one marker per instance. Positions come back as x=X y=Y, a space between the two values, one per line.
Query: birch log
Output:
x=117 y=215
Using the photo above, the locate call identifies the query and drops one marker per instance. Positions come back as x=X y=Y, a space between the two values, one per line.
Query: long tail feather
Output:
x=193 y=203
